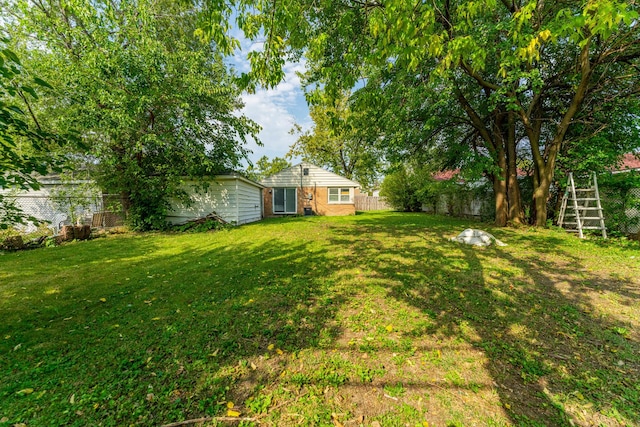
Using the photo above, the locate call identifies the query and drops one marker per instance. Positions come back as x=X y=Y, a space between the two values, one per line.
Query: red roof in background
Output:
x=449 y=174
x=629 y=161
x=445 y=175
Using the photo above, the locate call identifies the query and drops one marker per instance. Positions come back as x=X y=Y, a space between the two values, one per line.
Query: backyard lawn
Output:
x=374 y=320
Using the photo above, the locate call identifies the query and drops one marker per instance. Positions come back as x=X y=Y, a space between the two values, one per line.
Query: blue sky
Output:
x=275 y=110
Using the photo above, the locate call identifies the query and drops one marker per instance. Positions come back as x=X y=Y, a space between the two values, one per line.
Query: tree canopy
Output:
x=151 y=101
x=341 y=140
x=23 y=143
x=265 y=167
x=489 y=83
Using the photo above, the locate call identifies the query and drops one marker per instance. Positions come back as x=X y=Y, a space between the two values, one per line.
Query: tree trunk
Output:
x=500 y=193
x=516 y=213
x=541 y=196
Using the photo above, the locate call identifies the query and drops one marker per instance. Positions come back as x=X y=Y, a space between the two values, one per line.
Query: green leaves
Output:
x=41 y=82
x=150 y=100
x=23 y=143
x=8 y=54
x=342 y=139
x=264 y=168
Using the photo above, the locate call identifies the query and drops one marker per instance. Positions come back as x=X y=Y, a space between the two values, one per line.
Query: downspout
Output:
x=237 y=203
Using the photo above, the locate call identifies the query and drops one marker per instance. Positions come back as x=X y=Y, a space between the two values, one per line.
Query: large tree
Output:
x=508 y=74
x=265 y=167
x=153 y=103
x=342 y=140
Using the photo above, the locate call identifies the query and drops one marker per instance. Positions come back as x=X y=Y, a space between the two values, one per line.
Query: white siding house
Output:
x=309 y=189
x=295 y=176
x=56 y=202
x=233 y=197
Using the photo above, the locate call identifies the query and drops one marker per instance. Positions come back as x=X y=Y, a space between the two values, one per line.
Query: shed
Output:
x=308 y=189
x=233 y=197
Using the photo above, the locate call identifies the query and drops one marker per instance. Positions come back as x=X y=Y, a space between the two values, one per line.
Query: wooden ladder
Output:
x=585 y=211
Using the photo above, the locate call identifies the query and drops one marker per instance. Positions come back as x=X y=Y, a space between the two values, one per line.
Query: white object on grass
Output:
x=476 y=238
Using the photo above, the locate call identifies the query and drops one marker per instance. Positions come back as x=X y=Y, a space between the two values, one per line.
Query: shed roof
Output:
x=238 y=176
x=294 y=176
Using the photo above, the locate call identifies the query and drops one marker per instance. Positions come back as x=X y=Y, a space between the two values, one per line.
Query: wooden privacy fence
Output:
x=371 y=203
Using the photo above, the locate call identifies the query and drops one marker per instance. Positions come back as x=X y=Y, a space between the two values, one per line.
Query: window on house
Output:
x=305 y=171
x=339 y=195
x=284 y=200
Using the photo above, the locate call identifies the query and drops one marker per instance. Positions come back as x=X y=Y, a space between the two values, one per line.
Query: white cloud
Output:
x=277 y=111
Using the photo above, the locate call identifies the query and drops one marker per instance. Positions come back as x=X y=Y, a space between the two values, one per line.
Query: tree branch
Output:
x=485 y=84
x=33 y=116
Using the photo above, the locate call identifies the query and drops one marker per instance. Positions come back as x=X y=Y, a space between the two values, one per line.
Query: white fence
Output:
x=462 y=205
x=56 y=211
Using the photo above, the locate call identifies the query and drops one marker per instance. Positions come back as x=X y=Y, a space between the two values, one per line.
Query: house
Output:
x=308 y=189
x=629 y=162
x=57 y=201
x=233 y=197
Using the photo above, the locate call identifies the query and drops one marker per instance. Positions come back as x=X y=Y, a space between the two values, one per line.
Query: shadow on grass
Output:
x=154 y=329
x=133 y=330
x=556 y=355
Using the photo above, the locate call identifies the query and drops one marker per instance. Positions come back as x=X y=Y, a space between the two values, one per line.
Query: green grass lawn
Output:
x=374 y=318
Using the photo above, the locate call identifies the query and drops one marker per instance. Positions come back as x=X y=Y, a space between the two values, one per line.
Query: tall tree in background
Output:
x=152 y=101
x=264 y=167
x=508 y=74
x=341 y=140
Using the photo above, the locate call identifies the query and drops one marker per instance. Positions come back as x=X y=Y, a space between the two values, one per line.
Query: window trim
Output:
x=339 y=201
x=273 y=200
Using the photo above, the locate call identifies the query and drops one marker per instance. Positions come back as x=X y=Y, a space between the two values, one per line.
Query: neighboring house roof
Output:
x=56 y=179
x=445 y=175
x=449 y=174
x=316 y=176
x=630 y=161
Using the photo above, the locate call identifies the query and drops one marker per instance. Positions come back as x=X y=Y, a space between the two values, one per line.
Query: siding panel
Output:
x=318 y=177
x=249 y=203
x=233 y=199
x=219 y=197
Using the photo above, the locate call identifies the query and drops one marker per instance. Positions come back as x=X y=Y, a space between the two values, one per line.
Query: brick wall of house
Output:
x=319 y=202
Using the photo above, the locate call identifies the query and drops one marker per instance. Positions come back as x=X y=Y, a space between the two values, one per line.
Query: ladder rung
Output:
x=581 y=196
